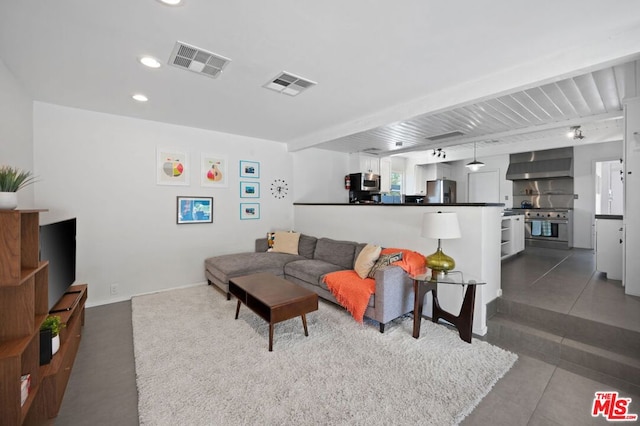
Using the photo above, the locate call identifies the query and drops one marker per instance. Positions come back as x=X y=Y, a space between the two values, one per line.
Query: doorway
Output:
x=609 y=188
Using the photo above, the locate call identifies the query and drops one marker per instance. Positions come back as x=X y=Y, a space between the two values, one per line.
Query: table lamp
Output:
x=441 y=226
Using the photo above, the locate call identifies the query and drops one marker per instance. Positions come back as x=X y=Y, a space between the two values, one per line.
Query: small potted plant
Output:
x=54 y=325
x=12 y=180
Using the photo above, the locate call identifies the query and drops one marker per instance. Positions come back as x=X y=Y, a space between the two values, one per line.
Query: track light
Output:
x=575 y=133
x=475 y=165
x=439 y=153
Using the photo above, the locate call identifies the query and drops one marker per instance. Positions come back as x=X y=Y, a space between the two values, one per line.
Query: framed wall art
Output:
x=249 y=211
x=172 y=167
x=194 y=210
x=213 y=171
x=249 y=190
x=249 y=169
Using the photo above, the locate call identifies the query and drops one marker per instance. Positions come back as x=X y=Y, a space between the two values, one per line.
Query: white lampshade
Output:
x=440 y=225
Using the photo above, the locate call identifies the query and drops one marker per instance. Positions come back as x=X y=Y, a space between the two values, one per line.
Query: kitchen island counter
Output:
x=406 y=204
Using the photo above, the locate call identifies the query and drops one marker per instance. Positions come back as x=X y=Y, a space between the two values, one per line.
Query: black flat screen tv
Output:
x=58 y=246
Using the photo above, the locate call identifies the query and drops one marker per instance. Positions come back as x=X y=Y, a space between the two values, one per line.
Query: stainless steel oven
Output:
x=551 y=228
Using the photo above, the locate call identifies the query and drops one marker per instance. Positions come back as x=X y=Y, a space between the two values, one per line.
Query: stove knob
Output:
x=548 y=215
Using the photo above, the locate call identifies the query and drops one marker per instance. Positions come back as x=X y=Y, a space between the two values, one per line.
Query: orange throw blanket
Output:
x=353 y=292
x=412 y=262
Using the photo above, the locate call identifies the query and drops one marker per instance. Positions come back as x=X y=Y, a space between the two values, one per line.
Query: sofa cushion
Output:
x=270 y=238
x=235 y=265
x=384 y=260
x=310 y=270
x=307 y=246
x=366 y=259
x=337 y=252
x=286 y=242
x=261 y=245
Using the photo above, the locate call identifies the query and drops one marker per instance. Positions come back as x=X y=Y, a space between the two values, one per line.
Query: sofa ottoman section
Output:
x=219 y=269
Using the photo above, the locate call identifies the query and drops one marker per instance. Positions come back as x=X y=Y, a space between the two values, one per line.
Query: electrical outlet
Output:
x=506 y=198
x=575 y=196
x=114 y=289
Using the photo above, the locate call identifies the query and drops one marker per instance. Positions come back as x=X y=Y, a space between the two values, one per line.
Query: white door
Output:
x=484 y=187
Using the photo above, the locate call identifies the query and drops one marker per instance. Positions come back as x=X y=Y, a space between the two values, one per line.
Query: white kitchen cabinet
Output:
x=517 y=233
x=512 y=235
x=609 y=247
x=364 y=163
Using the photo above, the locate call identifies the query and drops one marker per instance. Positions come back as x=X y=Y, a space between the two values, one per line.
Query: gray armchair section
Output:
x=317 y=257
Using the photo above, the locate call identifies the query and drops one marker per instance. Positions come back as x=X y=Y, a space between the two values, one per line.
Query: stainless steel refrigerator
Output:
x=441 y=191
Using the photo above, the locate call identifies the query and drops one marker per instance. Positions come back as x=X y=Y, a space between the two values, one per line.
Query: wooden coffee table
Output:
x=274 y=299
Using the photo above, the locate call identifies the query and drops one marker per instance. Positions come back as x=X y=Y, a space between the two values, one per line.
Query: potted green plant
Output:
x=54 y=325
x=11 y=181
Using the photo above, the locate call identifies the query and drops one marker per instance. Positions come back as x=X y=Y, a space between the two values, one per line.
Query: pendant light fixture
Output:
x=475 y=165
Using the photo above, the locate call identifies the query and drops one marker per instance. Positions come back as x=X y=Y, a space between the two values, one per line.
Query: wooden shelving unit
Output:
x=23 y=308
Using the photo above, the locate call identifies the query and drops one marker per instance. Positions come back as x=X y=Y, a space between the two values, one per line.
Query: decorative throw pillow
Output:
x=270 y=238
x=286 y=242
x=366 y=259
x=384 y=260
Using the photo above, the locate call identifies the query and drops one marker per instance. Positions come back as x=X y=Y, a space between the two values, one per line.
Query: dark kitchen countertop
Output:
x=609 y=216
x=406 y=204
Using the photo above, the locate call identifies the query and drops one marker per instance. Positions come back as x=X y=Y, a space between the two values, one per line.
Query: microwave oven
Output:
x=365 y=182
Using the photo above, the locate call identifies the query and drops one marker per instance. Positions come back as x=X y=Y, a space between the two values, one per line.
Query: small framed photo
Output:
x=249 y=190
x=249 y=169
x=194 y=210
x=249 y=211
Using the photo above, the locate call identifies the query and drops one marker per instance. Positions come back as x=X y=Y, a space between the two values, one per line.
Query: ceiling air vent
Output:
x=289 y=84
x=197 y=60
x=444 y=136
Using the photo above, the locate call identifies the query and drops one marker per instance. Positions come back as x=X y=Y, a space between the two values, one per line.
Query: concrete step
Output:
x=604 y=365
x=612 y=338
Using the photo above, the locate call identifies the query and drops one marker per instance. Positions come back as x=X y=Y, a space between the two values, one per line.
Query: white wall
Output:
x=498 y=163
x=319 y=176
x=16 y=115
x=101 y=169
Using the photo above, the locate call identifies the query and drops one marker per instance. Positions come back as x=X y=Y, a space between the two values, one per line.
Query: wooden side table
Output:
x=422 y=284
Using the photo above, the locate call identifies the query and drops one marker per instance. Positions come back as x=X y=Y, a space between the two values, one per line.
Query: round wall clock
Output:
x=279 y=188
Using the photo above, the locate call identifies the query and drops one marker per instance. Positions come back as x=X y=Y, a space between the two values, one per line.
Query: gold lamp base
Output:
x=440 y=262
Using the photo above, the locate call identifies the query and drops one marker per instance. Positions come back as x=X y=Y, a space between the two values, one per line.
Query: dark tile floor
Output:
x=102 y=389
x=534 y=392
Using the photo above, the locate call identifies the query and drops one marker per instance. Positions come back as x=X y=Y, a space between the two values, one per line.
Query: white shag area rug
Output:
x=197 y=365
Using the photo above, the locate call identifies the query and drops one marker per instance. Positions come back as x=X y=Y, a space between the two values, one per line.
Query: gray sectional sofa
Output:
x=317 y=256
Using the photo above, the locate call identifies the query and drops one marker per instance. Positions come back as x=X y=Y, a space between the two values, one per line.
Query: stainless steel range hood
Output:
x=550 y=163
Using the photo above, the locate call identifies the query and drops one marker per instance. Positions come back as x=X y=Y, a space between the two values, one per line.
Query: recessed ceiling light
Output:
x=150 y=62
x=170 y=2
x=140 y=97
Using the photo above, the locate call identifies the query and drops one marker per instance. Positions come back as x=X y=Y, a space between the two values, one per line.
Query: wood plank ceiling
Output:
x=591 y=100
